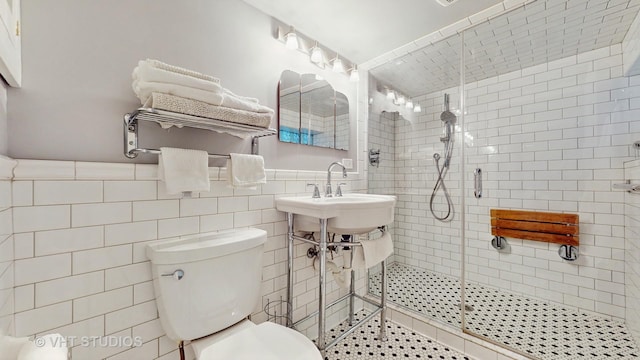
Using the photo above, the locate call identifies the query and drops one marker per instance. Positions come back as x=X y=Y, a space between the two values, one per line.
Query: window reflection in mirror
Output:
x=289 y=108
x=311 y=112
x=317 y=111
x=342 y=122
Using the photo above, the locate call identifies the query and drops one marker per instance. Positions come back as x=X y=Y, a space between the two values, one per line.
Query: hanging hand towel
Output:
x=184 y=170
x=372 y=252
x=246 y=171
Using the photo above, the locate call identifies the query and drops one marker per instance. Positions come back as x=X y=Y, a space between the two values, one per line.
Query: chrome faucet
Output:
x=328 y=192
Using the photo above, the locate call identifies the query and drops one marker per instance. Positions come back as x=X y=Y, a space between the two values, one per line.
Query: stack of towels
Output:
x=168 y=87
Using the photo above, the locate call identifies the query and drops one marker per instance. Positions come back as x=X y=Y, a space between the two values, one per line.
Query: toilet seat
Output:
x=267 y=341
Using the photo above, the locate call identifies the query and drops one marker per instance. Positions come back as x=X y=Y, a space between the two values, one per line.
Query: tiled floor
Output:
x=402 y=343
x=533 y=327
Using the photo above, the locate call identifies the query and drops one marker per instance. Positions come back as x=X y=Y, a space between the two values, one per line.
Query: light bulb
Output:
x=390 y=95
x=337 y=65
x=354 y=76
x=291 y=39
x=401 y=100
x=316 y=55
x=417 y=108
x=409 y=104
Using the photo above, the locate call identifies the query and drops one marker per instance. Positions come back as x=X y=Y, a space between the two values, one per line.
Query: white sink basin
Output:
x=349 y=214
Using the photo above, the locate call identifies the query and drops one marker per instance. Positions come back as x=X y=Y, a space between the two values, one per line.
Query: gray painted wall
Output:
x=4 y=136
x=78 y=57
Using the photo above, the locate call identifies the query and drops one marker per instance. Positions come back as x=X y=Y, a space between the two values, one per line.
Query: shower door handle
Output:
x=477 y=183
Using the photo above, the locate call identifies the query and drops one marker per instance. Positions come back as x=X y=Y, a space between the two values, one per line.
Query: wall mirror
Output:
x=311 y=112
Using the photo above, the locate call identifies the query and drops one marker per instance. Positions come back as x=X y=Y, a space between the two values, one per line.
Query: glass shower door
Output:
x=420 y=164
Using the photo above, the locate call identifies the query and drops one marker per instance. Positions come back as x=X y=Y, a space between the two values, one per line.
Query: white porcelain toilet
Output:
x=207 y=285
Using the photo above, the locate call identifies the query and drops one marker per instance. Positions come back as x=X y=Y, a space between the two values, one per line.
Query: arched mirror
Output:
x=311 y=112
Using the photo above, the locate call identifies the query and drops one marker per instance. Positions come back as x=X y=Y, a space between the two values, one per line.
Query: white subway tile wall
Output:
x=552 y=137
x=562 y=153
x=80 y=263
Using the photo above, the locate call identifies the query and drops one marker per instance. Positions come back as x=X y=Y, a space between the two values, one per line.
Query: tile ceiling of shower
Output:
x=540 y=32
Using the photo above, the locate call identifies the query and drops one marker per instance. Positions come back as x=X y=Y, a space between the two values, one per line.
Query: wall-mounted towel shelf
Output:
x=167 y=119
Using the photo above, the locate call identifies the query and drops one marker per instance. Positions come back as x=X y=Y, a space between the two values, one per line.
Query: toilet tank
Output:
x=220 y=283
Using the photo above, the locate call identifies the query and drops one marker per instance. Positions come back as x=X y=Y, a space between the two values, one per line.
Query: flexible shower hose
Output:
x=442 y=171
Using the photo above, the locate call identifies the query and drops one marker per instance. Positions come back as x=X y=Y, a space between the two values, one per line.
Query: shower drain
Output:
x=467 y=307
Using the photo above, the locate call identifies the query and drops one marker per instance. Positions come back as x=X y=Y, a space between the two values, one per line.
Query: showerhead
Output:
x=447 y=116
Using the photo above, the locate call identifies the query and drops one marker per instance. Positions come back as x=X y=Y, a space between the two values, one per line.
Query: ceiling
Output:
x=360 y=30
x=540 y=32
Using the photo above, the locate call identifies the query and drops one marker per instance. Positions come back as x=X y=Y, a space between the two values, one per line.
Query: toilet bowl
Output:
x=266 y=341
x=206 y=286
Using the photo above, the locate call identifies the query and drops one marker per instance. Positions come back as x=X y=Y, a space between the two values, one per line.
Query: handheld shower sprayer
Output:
x=449 y=120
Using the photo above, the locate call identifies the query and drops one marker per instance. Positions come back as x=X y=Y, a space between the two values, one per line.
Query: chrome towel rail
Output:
x=158 y=152
x=169 y=118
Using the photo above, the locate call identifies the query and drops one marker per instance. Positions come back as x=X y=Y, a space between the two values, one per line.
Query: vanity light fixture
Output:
x=337 y=65
x=317 y=54
x=291 y=39
x=417 y=108
x=354 y=76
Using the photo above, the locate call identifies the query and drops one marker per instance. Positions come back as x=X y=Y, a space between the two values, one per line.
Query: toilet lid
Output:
x=267 y=341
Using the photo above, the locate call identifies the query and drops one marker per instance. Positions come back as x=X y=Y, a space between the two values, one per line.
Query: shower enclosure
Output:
x=544 y=122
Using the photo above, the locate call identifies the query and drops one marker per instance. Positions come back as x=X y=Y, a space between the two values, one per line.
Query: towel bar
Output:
x=158 y=152
x=161 y=117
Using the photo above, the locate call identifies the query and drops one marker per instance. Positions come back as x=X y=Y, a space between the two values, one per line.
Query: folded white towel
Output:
x=206 y=112
x=239 y=103
x=246 y=171
x=184 y=170
x=178 y=70
x=372 y=252
x=145 y=89
x=146 y=72
x=245 y=98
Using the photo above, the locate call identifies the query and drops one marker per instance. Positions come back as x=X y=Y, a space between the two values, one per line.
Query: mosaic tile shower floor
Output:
x=533 y=327
x=402 y=343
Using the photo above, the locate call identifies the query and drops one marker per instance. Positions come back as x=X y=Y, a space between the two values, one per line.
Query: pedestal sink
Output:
x=347 y=214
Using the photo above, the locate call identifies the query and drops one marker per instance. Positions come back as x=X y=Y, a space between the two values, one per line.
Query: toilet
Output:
x=206 y=286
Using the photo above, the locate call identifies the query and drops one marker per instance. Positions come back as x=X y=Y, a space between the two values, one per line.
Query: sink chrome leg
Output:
x=321 y=286
x=352 y=288
x=383 y=301
x=289 y=269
